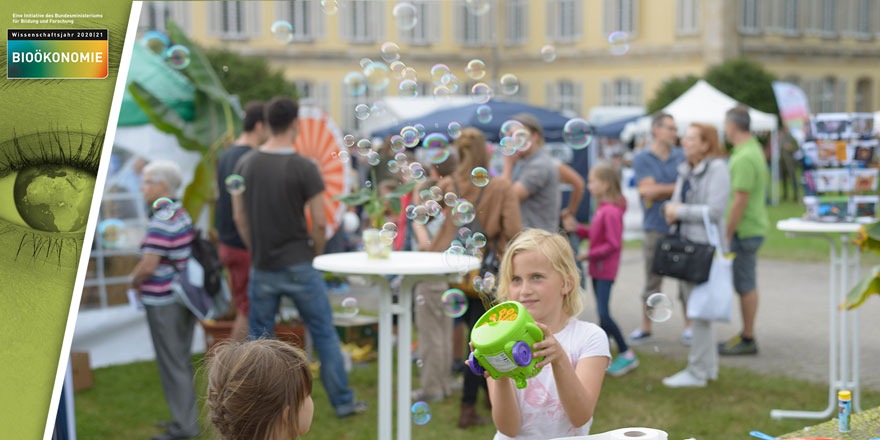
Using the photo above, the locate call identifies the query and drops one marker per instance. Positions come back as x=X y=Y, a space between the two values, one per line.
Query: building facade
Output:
x=831 y=48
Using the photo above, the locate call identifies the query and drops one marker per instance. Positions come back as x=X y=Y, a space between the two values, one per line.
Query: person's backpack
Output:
x=205 y=252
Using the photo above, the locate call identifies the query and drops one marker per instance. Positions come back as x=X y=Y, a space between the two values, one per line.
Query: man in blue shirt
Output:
x=656 y=168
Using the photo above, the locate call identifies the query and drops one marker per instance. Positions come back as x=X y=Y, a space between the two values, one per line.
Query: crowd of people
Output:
x=260 y=388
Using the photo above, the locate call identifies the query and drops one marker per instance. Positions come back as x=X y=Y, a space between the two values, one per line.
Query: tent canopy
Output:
x=706 y=104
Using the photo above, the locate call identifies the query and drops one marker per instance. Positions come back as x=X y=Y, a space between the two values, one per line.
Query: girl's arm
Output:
x=505 y=407
x=578 y=386
x=611 y=227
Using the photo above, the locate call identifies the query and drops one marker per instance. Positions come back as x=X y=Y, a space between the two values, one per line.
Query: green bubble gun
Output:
x=502 y=340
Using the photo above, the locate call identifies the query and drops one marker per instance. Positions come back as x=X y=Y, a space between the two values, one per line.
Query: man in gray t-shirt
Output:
x=535 y=178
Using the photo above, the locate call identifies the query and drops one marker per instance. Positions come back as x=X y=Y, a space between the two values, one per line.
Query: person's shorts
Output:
x=237 y=262
x=745 y=263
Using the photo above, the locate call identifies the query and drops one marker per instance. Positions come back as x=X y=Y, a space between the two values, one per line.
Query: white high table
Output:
x=415 y=267
x=843 y=344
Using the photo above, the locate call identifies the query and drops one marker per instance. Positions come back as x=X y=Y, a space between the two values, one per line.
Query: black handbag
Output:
x=679 y=258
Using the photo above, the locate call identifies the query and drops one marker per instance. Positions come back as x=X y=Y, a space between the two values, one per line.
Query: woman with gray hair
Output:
x=164 y=252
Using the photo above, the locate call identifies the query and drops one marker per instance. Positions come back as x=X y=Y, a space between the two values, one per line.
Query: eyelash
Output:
x=68 y=148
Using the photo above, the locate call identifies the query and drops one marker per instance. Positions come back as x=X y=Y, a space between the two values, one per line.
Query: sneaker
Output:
x=638 y=337
x=687 y=336
x=684 y=379
x=737 y=346
x=621 y=365
x=356 y=407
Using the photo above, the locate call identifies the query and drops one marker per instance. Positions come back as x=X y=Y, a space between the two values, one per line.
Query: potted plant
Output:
x=376 y=244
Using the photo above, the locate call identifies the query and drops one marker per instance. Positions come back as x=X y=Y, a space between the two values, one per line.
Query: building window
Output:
x=622 y=92
x=427 y=28
x=350 y=123
x=516 y=23
x=864 y=92
x=750 y=17
x=620 y=15
x=153 y=16
x=687 y=17
x=823 y=18
x=472 y=30
x=564 y=21
x=234 y=20
x=565 y=96
x=829 y=99
x=362 y=21
x=857 y=14
x=785 y=17
x=304 y=16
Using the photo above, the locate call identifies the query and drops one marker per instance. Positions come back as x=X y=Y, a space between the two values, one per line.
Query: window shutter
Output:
x=578 y=19
x=550 y=10
x=632 y=18
x=253 y=21
x=608 y=15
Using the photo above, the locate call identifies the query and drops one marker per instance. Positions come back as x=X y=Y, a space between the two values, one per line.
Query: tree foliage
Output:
x=670 y=90
x=249 y=77
x=745 y=81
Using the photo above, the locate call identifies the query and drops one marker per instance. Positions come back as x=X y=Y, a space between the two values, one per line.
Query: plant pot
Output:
x=216 y=331
x=375 y=245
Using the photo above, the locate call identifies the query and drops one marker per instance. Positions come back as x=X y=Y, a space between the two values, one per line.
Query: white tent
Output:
x=704 y=103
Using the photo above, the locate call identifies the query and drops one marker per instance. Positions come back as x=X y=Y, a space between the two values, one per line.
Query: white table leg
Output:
x=404 y=357
x=386 y=377
x=852 y=316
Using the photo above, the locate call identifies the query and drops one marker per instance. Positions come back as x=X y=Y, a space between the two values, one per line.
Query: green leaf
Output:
x=201 y=190
x=401 y=190
x=375 y=210
x=199 y=68
x=356 y=198
x=870 y=285
x=873 y=231
x=164 y=117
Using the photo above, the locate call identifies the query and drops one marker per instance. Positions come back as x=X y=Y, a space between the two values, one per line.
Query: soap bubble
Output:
x=464 y=233
x=410 y=136
x=178 y=56
x=481 y=93
x=410 y=212
x=401 y=158
x=421 y=413
x=234 y=184
x=409 y=73
x=420 y=215
x=437 y=73
x=330 y=7
x=480 y=177
x=373 y=158
x=577 y=133
x=451 y=82
x=397 y=144
x=477 y=284
x=156 y=41
x=463 y=213
x=377 y=76
x=488 y=282
x=397 y=68
x=507 y=146
x=478 y=7
x=417 y=171
x=450 y=199
x=390 y=51
x=349 y=307
x=548 y=53
x=421 y=130
x=362 y=111
x=618 y=43
x=455 y=303
x=364 y=147
x=164 y=208
x=435 y=140
x=355 y=83
x=659 y=307
x=387 y=236
x=438 y=155
x=509 y=127
x=479 y=240
x=349 y=140
x=406 y=16
x=282 y=31
x=436 y=194
x=454 y=130
x=393 y=166
x=509 y=84
x=434 y=208
x=455 y=258
x=364 y=62
x=484 y=114
x=408 y=88
x=442 y=93
x=476 y=69
x=112 y=231
x=344 y=157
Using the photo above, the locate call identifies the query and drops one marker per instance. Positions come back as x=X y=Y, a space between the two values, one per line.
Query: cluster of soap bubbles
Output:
x=484 y=285
x=468 y=244
x=177 y=56
x=429 y=208
x=388 y=233
x=658 y=307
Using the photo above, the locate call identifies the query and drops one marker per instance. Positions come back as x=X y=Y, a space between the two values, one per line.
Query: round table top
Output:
x=400 y=263
x=801 y=225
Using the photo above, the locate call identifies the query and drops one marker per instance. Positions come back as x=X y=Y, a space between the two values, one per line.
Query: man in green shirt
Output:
x=747 y=223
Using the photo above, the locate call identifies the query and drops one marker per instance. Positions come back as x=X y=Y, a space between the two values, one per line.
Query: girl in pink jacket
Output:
x=606 y=240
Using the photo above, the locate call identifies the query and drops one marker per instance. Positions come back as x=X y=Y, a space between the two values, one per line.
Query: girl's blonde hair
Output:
x=607 y=173
x=558 y=251
x=251 y=383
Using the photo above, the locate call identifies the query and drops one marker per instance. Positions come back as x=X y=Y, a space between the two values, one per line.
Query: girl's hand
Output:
x=569 y=223
x=468 y=363
x=583 y=256
x=549 y=348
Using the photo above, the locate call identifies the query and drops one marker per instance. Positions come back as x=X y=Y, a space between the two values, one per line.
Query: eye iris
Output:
x=54 y=198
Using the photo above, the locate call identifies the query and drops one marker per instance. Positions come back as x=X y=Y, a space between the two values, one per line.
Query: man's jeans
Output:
x=305 y=286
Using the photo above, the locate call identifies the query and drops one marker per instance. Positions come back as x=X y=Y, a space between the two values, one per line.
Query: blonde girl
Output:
x=259 y=390
x=538 y=270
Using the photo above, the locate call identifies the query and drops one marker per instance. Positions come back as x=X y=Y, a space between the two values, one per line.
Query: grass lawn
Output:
x=127 y=400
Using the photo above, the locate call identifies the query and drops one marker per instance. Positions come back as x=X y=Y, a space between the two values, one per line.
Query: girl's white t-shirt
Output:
x=541 y=411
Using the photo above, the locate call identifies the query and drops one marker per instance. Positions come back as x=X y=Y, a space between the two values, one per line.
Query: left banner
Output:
x=60 y=66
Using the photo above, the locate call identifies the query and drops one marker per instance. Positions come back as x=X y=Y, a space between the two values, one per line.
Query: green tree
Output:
x=745 y=81
x=249 y=77
x=670 y=90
